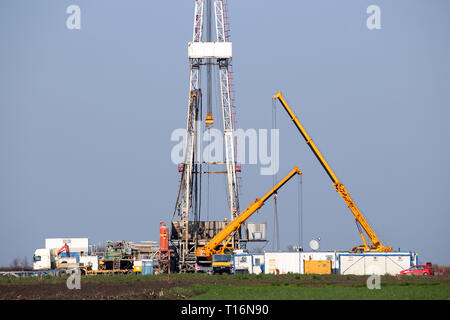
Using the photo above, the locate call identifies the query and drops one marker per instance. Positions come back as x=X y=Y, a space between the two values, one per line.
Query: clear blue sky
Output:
x=86 y=117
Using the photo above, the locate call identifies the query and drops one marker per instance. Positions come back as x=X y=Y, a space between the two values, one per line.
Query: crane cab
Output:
x=222 y=263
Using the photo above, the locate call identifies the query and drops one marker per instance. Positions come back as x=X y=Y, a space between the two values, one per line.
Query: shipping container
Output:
x=64 y=254
x=379 y=263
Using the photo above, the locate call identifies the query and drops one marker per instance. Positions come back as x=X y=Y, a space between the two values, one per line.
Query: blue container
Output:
x=147 y=267
x=74 y=254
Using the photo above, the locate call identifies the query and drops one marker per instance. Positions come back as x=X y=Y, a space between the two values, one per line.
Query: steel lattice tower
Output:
x=207 y=54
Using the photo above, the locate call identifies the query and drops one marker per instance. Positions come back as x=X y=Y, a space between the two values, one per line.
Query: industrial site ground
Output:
x=227 y=287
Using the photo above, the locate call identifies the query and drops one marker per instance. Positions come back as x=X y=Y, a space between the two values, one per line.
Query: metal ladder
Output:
x=116 y=264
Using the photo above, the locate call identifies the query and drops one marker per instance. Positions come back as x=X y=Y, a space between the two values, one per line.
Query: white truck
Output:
x=59 y=256
x=63 y=253
x=45 y=259
x=46 y=263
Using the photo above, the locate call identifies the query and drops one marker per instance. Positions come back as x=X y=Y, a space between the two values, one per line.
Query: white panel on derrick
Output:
x=209 y=50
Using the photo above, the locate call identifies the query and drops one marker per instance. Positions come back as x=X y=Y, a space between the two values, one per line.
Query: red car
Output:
x=417 y=270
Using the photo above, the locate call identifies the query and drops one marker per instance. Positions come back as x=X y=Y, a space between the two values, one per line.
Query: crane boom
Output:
x=212 y=246
x=340 y=188
x=64 y=247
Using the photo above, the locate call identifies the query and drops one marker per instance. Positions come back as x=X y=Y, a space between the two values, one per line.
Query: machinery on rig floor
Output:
x=361 y=222
x=220 y=244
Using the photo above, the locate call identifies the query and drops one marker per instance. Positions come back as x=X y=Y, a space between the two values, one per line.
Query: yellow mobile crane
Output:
x=215 y=249
x=359 y=218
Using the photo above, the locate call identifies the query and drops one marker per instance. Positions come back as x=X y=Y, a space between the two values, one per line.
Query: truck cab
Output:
x=222 y=263
x=43 y=260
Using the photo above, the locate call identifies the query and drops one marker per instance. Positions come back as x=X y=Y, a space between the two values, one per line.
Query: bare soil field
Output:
x=184 y=286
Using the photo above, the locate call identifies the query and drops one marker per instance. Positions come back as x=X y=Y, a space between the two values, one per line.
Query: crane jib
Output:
x=322 y=162
x=307 y=138
x=377 y=246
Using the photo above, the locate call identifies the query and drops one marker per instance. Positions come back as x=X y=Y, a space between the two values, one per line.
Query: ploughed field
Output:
x=227 y=287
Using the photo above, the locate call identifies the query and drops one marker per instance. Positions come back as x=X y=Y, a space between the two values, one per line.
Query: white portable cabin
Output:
x=294 y=262
x=366 y=263
x=248 y=263
x=379 y=263
x=282 y=262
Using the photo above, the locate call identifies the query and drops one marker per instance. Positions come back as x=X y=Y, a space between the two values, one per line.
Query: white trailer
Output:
x=294 y=262
x=282 y=262
x=379 y=263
